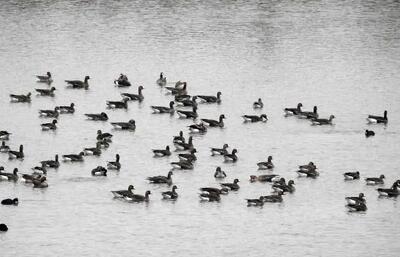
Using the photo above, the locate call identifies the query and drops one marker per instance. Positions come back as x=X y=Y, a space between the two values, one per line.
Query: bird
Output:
x=375 y=181
x=180 y=138
x=274 y=198
x=118 y=104
x=307 y=167
x=39 y=170
x=122 y=81
x=162 y=81
x=190 y=157
x=123 y=193
x=215 y=123
x=138 y=198
x=170 y=195
x=93 y=150
x=309 y=115
x=351 y=175
x=198 y=128
x=97 y=116
x=103 y=136
x=266 y=165
x=3 y=227
x=178 y=90
x=183 y=165
x=284 y=188
x=232 y=186
x=355 y=199
x=186 y=102
x=78 y=84
x=369 y=133
x=359 y=207
x=17 y=154
x=40 y=182
x=134 y=97
x=219 y=173
x=21 y=98
x=74 y=157
x=188 y=114
x=114 y=165
x=49 y=126
x=185 y=146
x=49 y=113
x=4 y=135
x=66 y=108
x=46 y=92
x=323 y=121
x=10 y=201
x=4 y=148
x=213 y=190
x=390 y=192
x=311 y=173
x=255 y=118
x=162 y=152
x=9 y=176
x=45 y=78
x=255 y=202
x=163 y=109
x=51 y=163
x=231 y=157
x=161 y=179
x=220 y=151
x=99 y=171
x=293 y=111
x=211 y=99
x=264 y=178
x=130 y=125
x=179 y=98
x=259 y=104
x=28 y=178
x=211 y=197
x=378 y=119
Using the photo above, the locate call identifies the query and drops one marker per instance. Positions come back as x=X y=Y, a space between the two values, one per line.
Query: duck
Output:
x=274 y=198
x=114 y=165
x=378 y=119
x=130 y=125
x=190 y=157
x=138 y=198
x=9 y=176
x=103 y=136
x=178 y=90
x=123 y=193
x=309 y=115
x=49 y=126
x=284 y=188
x=162 y=152
x=118 y=104
x=356 y=199
x=3 y=227
x=49 y=113
x=186 y=102
x=214 y=190
x=163 y=109
x=375 y=181
x=266 y=165
x=21 y=98
x=180 y=98
x=210 y=98
x=188 y=114
x=215 y=123
x=198 y=128
x=219 y=173
x=211 y=197
x=179 y=139
x=17 y=154
x=323 y=121
x=99 y=171
x=161 y=179
x=4 y=148
x=255 y=118
x=259 y=104
x=46 y=92
x=185 y=146
x=311 y=173
x=9 y=201
x=255 y=202
x=293 y=111
x=170 y=195
x=231 y=157
x=39 y=170
x=40 y=183
x=51 y=163
x=390 y=192
x=359 y=207
x=308 y=167
x=232 y=186
x=369 y=133
x=97 y=116
x=219 y=151
x=74 y=157
x=122 y=81
x=104 y=143
x=162 y=81
x=66 y=108
x=28 y=178
x=264 y=178
x=4 y=135
x=351 y=175
x=134 y=97
x=78 y=84
x=45 y=78
x=93 y=150
x=183 y=165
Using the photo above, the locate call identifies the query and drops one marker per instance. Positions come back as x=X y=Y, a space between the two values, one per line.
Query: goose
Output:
x=280 y=181
x=21 y=98
x=66 y=108
x=307 y=167
x=255 y=118
x=51 y=163
x=198 y=128
x=123 y=193
x=180 y=138
x=293 y=111
x=220 y=151
x=213 y=190
x=93 y=150
x=49 y=126
x=122 y=81
x=190 y=157
x=138 y=198
x=274 y=198
x=40 y=183
x=103 y=136
x=78 y=83
x=17 y=154
x=180 y=98
x=4 y=135
x=114 y=165
x=214 y=123
x=264 y=178
x=183 y=165
x=161 y=179
x=118 y=104
x=10 y=201
x=9 y=176
x=266 y=165
x=134 y=97
x=46 y=92
x=231 y=157
x=311 y=173
x=99 y=171
x=188 y=114
x=284 y=188
x=3 y=227
x=45 y=78
x=219 y=173
x=49 y=113
x=255 y=202
x=211 y=99
x=74 y=157
x=355 y=199
x=178 y=90
x=211 y=197
x=104 y=143
x=369 y=133
x=259 y=104
x=130 y=125
x=39 y=170
x=185 y=146
x=375 y=181
x=390 y=192
x=359 y=207
x=97 y=116
x=4 y=148
x=378 y=119
x=163 y=109
x=162 y=81
x=309 y=115
x=187 y=102
x=28 y=178
x=323 y=121
x=351 y=175
x=162 y=152
x=232 y=186
x=170 y=195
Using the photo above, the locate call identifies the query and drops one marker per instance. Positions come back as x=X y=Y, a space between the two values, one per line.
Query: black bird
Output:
x=97 y=116
x=219 y=191
x=180 y=138
x=93 y=150
x=162 y=81
x=138 y=198
x=78 y=83
x=74 y=157
x=134 y=97
x=369 y=133
x=3 y=227
x=190 y=157
x=188 y=114
x=211 y=99
x=309 y=115
x=266 y=165
x=274 y=198
x=232 y=186
x=51 y=163
x=17 y=154
x=130 y=125
x=284 y=188
x=185 y=146
x=99 y=171
x=211 y=197
x=163 y=109
x=170 y=195
x=254 y=118
x=259 y=104
x=49 y=113
x=264 y=178
x=4 y=135
x=220 y=151
x=323 y=121
x=4 y=148
x=178 y=90
x=375 y=181
x=390 y=192
x=231 y=157
x=114 y=165
x=356 y=199
x=215 y=123
x=21 y=98
x=198 y=128
x=162 y=152
x=161 y=179
x=255 y=202
x=49 y=126
x=378 y=119
x=45 y=78
x=351 y=175
x=312 y=173
x=9 y=176
x=183 y=165
x=10 y=201
x=66 y=109
x=293 y=111
x=187 y=102
x=103 y=136
x=123 y=193
x=118 y=104
x=357 y=207
x=219 y=173
x=46 y=92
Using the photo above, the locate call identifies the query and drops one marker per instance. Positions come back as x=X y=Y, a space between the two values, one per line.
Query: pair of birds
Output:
x=71 y=83
x=9 y=201
x=111 y=165
x=308 y=170
x=313 y=116
x=369 y=180
x=229 y=157
x=213 y=194
x=356 y=203
x=273 y=198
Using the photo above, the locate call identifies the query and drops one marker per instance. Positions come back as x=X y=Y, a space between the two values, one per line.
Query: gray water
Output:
x=342 y=56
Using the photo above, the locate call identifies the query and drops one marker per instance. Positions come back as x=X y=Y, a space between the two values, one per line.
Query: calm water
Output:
x=342 y=56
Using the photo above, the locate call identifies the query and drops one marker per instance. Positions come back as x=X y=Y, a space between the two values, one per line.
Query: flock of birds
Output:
x=187 y=157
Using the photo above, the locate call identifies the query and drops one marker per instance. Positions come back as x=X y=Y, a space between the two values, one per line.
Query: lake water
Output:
x=342 y=56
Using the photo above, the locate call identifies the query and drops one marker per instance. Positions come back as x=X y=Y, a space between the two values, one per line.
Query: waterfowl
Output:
x=293 y=111
x=97 y=116
x=45 y=78
x=130 y=125
x=376 y=181
x=10 y=201
x=178 y=90
x=134 y=97
x=163 y=109
x=185 y=146
x=266 y=165
x=220 y=151
x=356 y=199
x=231 y=157
x=323 y=121
x=46 y=92
x=78 y=83
x=40 y=183
x=104 y=143
x=114 y=165
x=49 y=113
x=99 y=171
x=274 y=198
x=351 y=175
x=219 y=173
x=280 y=181
x=180 y=98
x=138 y=198
x=264 y=178
x=183 y=165
x=179 y=84
x=17 y=154
x=309 y=115
x=186 y=102
x=122 y=81
x=4 y=135
x=49 y=126
x=9 y=176
x=259 y=104
x=198 y=128
x=180 y=138
x=190 y=157
x=255 y=202
x=103 y=136
x=284 y=188
x=311 y=173
x=39 y=170
x=28 y=178
x=211 y=197
x=255 y=118
x=162 y=152
x=162 y=179
x=213 y=190
x=210 y=98
x=4 y=148
x=93 y=150
x=162 y=81
x=51 y=163
x=123 y=193
x=74 y=157
x=307 y=167
x=390 y=192
x=21 y=98
x=359 y=207
x=232 y=186
x=378 y=119
x=66 y=109
x=188 y=114
x=3 y=227
x=170 y=195
x=214 y=123
x=118 y=104
x=369 y=133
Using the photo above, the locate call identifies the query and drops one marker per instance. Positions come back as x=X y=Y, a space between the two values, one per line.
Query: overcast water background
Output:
x=342 y=56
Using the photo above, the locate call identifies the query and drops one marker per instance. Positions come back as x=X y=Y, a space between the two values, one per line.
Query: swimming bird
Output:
x=378 y=119
x=162 y=81
x=369 y=133
x=284 y=188
x=323 y=121
x=264 y=178
x=162 y=152
x=190 y=157
x=170 y=195
x=220 y=151
x=40 y=183
x=180 y=138
x=274 y=198
x=307 y=167
x=231 y=157
x=311 y=173
x=28 y=178
x=45 y=78
x=215 y=123
x=138 y=198
x=104 y=143
x=188 y=114
x=99 y=171
x=219 y=173
x=46 y=92
x=97 y=116
x=9 y=201
x=351 y=175
x=17 y=154
x=103 y=136
x=123 y=193
x=74 y=157
x=293 y=111
x=3 y=227
x=39 y=170
x=66 y=108
x=114 y=165
x=51 y=163
x=390 y=192
x=376 y=181
x=183 y=165
x=259 y=104
x=186 y=102
x=163 y=109
x=180 y=98
x=359 y=207
x=161 y=179
x=266 y=165
x=9 y=176
x=232 y=186
x=214 y=190
x=122 y=81
x=356 y=199
x=4 y=135
x=211 y=197
x=93 y=150
x=118 y=104
x=185 y=146
x=4 y=148
x=198 y=128
x=309 y=115
x=255 y=202
x=210 y=98
x=21 y=98
x=130 y=125
x=255 y=118
x=78 y=84
x=178 y=90
x=134 y=97
x=49 y=113
x=49 y=126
